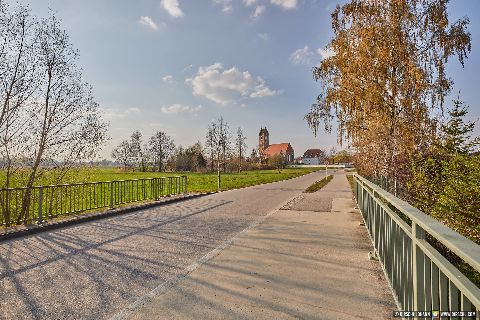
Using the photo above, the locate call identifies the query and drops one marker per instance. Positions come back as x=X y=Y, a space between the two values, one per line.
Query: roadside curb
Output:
x=90 y=216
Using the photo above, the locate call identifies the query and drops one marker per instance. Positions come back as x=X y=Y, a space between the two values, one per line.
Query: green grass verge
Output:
x=197 y=182
x=350 y=180
x=319 y=184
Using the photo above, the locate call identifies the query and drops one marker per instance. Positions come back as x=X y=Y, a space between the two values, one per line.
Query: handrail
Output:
x=461 y=246
x=420 y=277
x=87 y=183
x=40 y=203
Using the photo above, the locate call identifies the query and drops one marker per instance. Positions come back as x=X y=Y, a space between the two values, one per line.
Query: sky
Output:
x=176 y=65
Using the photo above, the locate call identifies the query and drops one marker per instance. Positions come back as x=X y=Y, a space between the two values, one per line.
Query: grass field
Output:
x=197 y=182
x=55 y=199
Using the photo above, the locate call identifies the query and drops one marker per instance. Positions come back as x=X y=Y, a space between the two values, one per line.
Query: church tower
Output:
x=263 y=140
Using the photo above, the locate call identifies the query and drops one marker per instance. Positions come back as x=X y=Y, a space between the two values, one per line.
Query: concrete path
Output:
x=96 y=269
x=309 y=261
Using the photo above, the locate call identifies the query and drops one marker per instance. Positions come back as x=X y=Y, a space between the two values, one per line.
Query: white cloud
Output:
x=325 y=53
x=116 y=113
x=302 y=56
x=261 y=90
x=179 y=108
x=148 y=22
x=263 y=36
x=259 y=10
x=172 y=7
x=168 y=79
x=249 y=3
x=227 y=8
x=285 y=4
x=132 y=110
x=226 y=5
x=225 y=86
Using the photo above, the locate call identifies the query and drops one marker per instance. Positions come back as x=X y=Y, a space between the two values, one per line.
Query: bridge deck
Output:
x=309 y=261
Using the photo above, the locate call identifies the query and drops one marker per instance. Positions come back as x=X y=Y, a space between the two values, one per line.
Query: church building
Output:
x=268 y=150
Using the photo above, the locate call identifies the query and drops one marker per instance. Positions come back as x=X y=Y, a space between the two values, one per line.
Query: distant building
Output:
x=268 y=150
x=313 y=156
x=263 y=139
x=284 y=149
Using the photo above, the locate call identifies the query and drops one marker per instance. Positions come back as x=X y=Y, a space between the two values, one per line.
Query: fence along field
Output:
x=116 y=187
x=40 y=203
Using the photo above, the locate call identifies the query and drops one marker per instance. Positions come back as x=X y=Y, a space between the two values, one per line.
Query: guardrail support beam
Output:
x=418 y=268
x=40 y=205
x=111 y=194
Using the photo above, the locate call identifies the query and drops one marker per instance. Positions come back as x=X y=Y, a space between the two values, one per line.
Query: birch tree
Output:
x=387 y=78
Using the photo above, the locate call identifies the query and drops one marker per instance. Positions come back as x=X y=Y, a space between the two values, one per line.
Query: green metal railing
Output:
x=40 y=203
x=420 y=277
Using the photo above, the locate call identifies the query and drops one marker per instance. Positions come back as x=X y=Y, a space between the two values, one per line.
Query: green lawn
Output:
x=60 y=201
x=197 y=182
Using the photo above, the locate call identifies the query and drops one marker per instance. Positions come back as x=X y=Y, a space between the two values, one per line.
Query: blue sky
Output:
x=175 y=65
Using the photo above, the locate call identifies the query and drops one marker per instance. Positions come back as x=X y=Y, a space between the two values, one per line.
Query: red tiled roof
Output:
x=312 y=153
x=274 y=149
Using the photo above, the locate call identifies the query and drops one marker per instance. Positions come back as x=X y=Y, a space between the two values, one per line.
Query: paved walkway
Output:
x=94 y=270
x=308 y=261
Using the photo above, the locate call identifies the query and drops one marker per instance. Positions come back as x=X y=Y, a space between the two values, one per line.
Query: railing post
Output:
x=185 y=180
x=154 y=181
x=111 y=194
x=417 y=268
x=40 y=205
x=162 y=186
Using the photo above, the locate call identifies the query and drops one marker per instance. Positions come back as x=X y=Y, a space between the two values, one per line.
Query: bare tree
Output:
x=17 y=84
x=261 y=155
x=210 y=145
x=161 y=147
x=226 y=139
x=241 y=146
x=218 y=143
x=64 y=124
x=254 y=155
x=122 y=154
x=147 y=157
x=136 y=150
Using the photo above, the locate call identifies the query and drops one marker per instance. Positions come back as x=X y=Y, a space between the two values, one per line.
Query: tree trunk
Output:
x=218 y=176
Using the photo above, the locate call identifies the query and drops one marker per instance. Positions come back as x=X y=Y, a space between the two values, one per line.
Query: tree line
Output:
x=221 y=149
